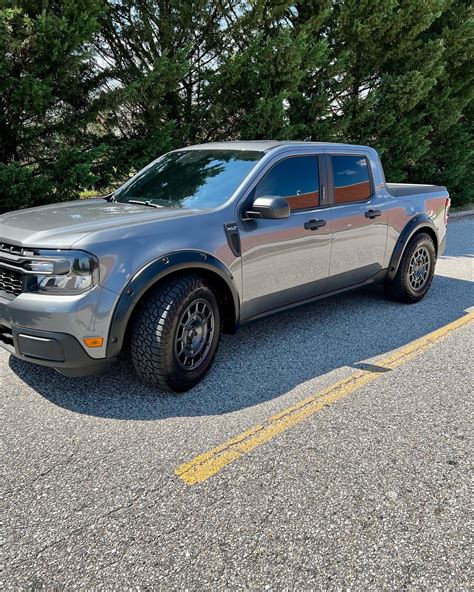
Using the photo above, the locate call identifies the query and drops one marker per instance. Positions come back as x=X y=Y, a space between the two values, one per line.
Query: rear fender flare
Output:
x=152 y=273
x=416 y=224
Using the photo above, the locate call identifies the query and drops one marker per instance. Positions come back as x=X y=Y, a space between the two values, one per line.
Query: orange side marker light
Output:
x=94 y=341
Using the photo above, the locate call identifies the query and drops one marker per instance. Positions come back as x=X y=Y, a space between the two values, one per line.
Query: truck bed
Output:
x=405 y=189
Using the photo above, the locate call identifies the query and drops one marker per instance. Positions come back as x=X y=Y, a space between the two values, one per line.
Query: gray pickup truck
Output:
x=201 y=241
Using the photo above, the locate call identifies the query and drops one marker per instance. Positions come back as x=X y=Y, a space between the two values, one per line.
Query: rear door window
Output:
x=295 y=178
x=351 y=179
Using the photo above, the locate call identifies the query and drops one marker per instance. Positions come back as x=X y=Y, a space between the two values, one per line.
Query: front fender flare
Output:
x=414 y=225
x=152 y=273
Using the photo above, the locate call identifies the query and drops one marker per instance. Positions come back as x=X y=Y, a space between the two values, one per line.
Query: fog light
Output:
x=94 y=341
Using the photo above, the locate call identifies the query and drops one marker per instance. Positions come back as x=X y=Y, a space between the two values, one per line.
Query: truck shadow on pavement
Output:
x=266 y=359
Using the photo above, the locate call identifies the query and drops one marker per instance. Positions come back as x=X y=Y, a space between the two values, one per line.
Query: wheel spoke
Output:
x=418 y=268
x=194 y=334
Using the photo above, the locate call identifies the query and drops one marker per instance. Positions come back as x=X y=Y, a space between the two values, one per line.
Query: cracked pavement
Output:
x=371 y=493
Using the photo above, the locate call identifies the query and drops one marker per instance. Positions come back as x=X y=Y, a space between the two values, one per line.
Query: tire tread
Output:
x=152 y=332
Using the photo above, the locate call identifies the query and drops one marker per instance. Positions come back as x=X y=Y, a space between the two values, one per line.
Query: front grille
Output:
x=12 y=249
x=11 y=282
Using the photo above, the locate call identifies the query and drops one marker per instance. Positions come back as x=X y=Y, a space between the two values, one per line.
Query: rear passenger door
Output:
x=359 y=216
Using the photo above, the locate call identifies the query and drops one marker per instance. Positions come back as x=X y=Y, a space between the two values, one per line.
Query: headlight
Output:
x=62 y=272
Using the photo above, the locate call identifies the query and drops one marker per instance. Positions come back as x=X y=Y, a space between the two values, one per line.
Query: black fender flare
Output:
x=416 y=224
x=154 y=272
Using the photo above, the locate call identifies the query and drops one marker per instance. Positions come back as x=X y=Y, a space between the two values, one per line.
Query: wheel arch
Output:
x=176 y=263
x=420 y=223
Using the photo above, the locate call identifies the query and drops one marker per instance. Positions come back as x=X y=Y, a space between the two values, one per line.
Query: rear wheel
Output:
x=415 y=272
x=175 y=333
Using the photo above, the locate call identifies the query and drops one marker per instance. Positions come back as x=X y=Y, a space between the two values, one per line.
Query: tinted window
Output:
x=351 y=178
x=190 y=178
x=295 y=178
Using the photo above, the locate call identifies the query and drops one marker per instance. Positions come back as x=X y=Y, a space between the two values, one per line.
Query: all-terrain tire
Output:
x=415 y=272
x=164 y=330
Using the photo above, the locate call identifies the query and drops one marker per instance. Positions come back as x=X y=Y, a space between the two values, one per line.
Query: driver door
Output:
x=285 y=261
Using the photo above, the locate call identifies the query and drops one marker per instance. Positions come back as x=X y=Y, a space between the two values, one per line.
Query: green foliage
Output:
x=448 y=109
x=47 y=84
x=381 y=68
x=250 y=92
x=158 y=55
x=92 y=90
x=57 y=179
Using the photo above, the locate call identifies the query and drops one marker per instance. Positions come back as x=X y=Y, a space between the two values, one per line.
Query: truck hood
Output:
x=61 y=225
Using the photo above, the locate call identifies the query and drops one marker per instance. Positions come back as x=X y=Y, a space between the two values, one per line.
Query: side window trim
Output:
x=248 y=193
x=330 y=177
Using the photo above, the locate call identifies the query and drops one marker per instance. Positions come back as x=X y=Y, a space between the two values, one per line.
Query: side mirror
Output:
x=269 y=206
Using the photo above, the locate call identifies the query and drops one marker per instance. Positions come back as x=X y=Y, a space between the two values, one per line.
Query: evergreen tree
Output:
x=381 y=69
x=47 y=86
x=91 y=90
x=263 y=66
x=448 y=109
x=158 y=54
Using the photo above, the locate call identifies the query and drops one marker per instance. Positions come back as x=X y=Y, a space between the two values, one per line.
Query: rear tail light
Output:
x=446 y=210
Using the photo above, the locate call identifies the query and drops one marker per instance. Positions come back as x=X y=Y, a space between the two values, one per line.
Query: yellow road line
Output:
x=208 y=464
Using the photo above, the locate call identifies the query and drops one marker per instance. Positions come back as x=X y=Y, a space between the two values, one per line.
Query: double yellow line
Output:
x=208 y=464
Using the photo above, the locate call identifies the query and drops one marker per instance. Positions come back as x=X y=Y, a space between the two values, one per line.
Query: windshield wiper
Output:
x=144 y=203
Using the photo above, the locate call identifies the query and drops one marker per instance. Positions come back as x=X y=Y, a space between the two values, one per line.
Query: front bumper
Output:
x=57 y=350
x=50 y=330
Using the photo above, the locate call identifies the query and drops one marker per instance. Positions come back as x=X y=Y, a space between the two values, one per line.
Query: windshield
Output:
x=198 y=179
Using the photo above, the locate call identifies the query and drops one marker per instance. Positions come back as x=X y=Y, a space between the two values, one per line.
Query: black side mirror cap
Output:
x=269 y=206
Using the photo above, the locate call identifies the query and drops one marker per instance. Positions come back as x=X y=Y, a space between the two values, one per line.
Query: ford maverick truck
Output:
x=205 y=239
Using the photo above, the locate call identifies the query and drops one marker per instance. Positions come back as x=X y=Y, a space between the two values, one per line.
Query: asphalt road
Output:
x=369 y=493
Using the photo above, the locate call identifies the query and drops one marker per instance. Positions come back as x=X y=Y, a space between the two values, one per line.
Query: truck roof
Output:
x=267 y=145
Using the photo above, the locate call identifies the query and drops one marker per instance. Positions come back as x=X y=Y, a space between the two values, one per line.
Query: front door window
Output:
x=296 y=179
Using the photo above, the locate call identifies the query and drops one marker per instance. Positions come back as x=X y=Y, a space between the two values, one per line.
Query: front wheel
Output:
x=415 y=272
x=175 y=333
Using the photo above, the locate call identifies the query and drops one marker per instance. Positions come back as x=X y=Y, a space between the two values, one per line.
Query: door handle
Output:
x=373 y=213
x=314 y=224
